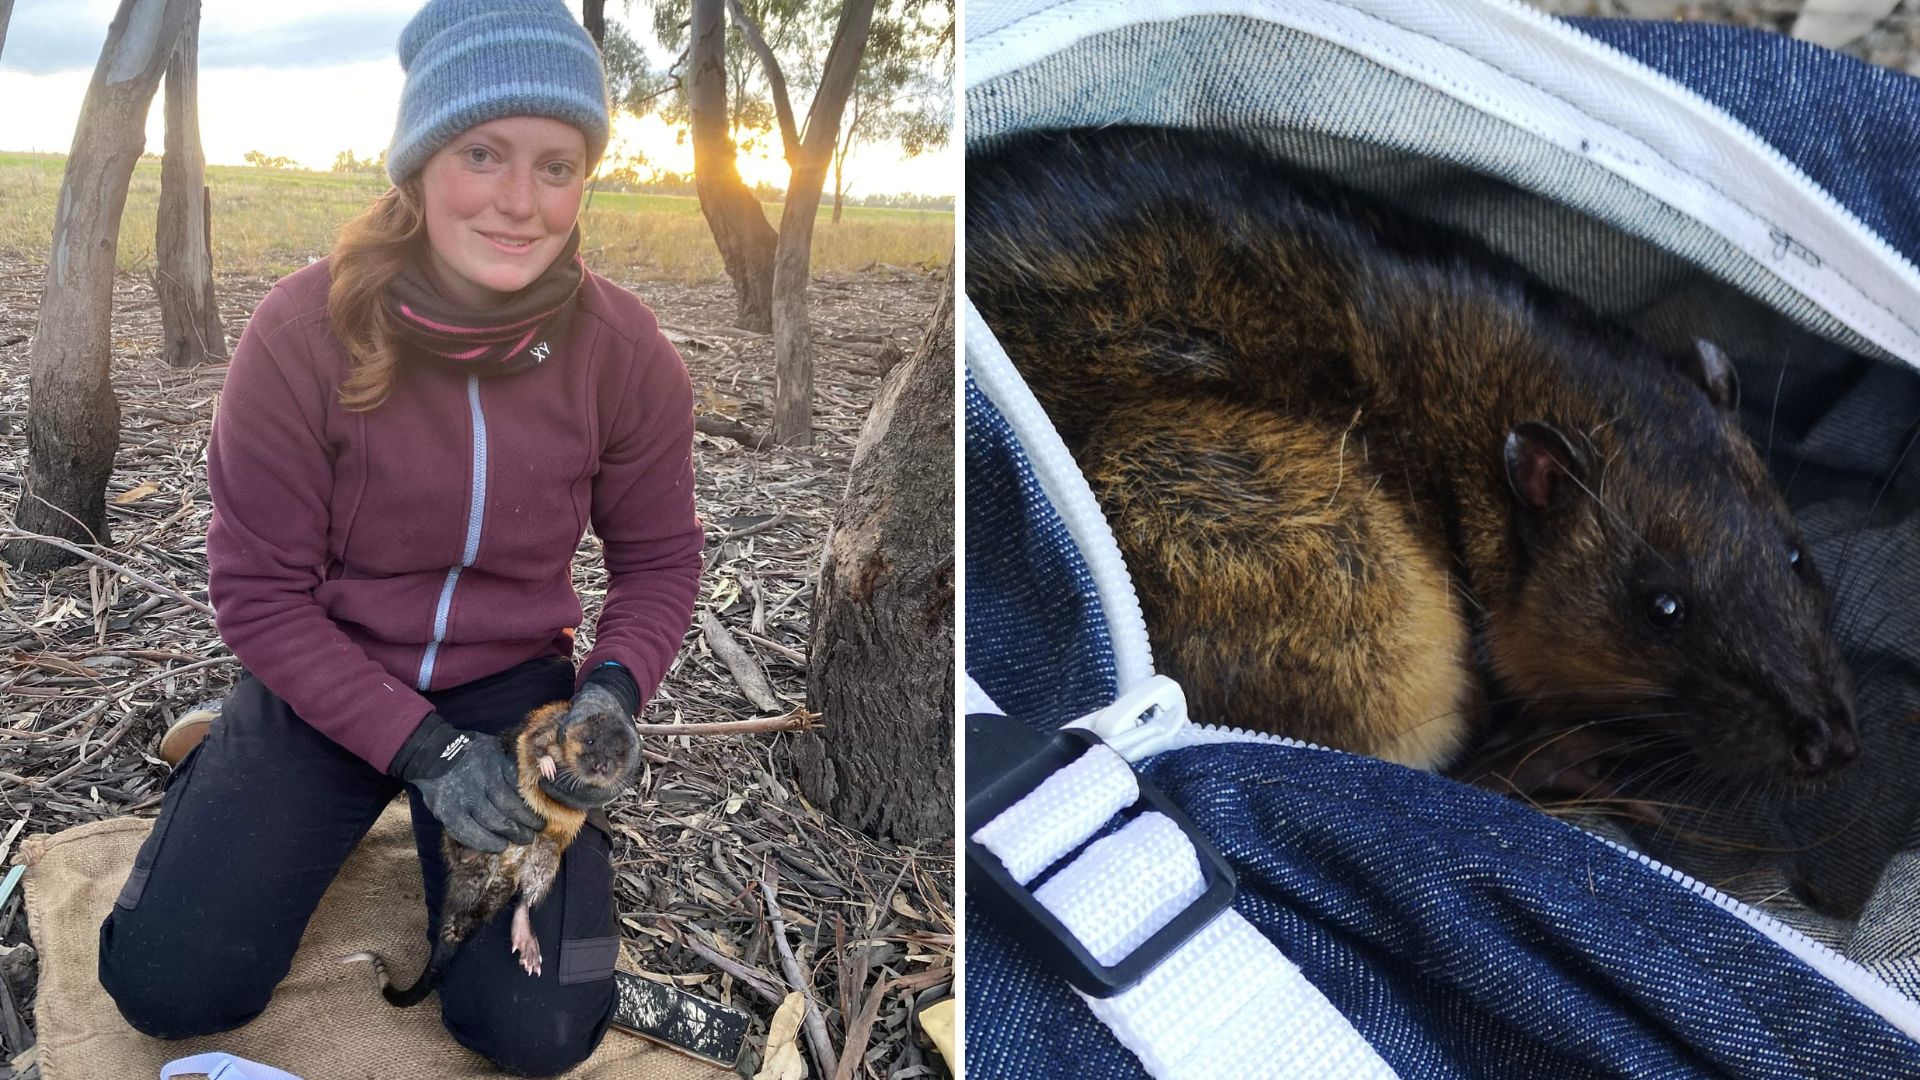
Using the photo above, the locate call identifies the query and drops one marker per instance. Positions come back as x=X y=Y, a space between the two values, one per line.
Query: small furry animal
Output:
x=590 y=759
x=1377 y=487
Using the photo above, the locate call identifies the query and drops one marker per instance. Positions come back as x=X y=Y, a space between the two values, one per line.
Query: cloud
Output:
x=44 y=40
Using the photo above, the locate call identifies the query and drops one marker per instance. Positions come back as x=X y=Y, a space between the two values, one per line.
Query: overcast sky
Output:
x=306 y=79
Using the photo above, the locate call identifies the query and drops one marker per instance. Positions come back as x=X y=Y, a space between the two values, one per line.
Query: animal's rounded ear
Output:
x=1540 y=463
x=1710 y=368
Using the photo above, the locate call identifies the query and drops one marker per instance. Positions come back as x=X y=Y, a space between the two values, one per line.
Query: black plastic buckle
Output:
x=1006 y=760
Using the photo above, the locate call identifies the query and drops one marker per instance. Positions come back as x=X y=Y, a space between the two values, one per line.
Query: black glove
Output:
x=467 y=781
x=609 y=691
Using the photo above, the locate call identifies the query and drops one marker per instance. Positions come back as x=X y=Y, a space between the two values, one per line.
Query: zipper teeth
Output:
x=1746 y=135
x=1067 y=492
x=1223 y=734
x=471 y=549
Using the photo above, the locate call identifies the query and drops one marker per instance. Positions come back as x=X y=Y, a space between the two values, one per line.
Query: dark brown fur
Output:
x=596 y=756
x=1294 y=408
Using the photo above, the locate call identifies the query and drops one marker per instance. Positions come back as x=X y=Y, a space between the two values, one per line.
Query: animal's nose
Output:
x=1827 y=743
x=1811 y=755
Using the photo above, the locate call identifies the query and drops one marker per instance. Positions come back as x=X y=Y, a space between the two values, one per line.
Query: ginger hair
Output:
x=372 y=250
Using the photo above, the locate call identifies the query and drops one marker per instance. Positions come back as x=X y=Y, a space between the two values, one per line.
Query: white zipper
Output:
x=1544 y=23
x=1060 y=480
x=469 y=551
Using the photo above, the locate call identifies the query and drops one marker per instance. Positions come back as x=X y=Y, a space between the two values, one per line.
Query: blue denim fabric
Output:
x=1853 y=127
x=1036 y=638
x=1464 y=935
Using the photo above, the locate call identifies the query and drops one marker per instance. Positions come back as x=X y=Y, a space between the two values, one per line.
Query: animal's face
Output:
x=602 y=751
x=1667 y=596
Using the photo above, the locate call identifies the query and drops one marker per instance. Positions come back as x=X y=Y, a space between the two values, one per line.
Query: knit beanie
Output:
x=471 y=61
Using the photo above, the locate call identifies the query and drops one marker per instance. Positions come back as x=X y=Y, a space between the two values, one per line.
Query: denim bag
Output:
x=1691 y=181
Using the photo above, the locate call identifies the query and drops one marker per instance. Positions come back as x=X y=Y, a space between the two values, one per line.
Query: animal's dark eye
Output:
x=1665 y=610
x=1796 y=559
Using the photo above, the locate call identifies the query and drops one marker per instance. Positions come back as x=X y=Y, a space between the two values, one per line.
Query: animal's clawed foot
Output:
x=547 y=767
x=525 y=945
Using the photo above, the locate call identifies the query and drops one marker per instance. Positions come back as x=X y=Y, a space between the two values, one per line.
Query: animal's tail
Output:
x=424 y=985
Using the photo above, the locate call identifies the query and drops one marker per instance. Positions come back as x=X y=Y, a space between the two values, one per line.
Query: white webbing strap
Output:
x=1125 y=887
x=1060 y=814
x=1227 y=1003
x=1224 y=1004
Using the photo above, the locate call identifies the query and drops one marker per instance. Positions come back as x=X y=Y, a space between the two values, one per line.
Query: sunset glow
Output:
x=311 y=111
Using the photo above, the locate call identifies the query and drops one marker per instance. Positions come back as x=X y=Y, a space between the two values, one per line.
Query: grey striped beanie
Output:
x=471 y=61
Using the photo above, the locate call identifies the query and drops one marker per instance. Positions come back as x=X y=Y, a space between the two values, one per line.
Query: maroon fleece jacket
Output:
x=357 y=559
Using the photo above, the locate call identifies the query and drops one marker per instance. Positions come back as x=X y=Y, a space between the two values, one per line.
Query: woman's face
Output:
x=500 y=202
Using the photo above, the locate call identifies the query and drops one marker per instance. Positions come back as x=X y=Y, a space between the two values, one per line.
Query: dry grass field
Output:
x=271 y=221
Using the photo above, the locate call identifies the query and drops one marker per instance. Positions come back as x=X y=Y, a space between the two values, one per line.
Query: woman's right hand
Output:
x=468 y=784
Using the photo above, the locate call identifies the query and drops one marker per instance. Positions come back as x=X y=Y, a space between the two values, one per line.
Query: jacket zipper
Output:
x=476 y=510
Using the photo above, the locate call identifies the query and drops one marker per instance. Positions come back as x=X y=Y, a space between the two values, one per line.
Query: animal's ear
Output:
x=1710 y=368
x=1541 y=464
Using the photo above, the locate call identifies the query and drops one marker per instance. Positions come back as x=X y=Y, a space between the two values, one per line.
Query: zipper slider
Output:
x=1143 y=721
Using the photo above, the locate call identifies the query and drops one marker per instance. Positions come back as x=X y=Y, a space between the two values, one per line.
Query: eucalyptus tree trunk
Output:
x=593 y=15
x=792 y=267
x=739 y=225
x=73 y=420
x=880 y=665
x=183 y=244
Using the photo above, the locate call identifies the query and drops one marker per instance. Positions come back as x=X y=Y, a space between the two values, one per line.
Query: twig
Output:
x=796 y=720
x=754 y=980
x=750 y=437
x=144 y=582
x=787 y=651
x=779 y=517
x=744 y=669
x=816 y=1025
x=722 y=331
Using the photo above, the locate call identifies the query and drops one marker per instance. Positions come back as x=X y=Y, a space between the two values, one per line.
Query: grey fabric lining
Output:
x=1843 y=866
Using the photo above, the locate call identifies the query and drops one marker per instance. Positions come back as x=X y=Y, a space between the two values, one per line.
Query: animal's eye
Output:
x=1666 y=610
x=1797 y=560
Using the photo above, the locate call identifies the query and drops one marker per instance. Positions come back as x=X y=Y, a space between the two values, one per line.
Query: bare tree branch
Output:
x=776 y=79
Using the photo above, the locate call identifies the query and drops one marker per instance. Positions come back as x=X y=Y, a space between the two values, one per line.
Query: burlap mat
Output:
x=326 y=1021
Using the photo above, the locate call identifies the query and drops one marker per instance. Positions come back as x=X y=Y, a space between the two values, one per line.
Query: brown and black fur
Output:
x=1371 y=480
x=592 y=758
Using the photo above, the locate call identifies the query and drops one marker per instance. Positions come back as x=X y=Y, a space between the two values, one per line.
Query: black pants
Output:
x=257 y=821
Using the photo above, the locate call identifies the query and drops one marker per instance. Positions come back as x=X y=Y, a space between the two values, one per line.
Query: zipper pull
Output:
x=1143 y=721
